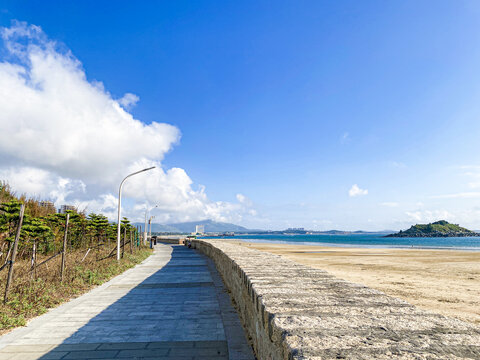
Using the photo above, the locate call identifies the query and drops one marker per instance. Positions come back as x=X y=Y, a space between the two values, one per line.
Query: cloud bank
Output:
x=66 y=138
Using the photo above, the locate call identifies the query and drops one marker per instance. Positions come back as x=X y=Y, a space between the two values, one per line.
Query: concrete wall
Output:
x=291 y=311
x=171 y=239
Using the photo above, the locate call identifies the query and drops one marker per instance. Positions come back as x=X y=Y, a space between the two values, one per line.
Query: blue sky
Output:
x=291 y=104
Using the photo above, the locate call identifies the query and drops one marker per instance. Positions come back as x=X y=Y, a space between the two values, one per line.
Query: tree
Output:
x=9 y=216
x=37 y=230
x=112 y=232
x=77 y=228
x=125 y=224
x=6 y=192
x=99 y=224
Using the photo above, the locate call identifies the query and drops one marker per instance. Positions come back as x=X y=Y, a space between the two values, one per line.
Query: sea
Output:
x=367 y=240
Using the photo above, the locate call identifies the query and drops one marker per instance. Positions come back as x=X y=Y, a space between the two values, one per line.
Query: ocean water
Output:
x=368 y=240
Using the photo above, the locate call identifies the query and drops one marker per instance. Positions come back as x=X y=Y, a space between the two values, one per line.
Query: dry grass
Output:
x=33 y=294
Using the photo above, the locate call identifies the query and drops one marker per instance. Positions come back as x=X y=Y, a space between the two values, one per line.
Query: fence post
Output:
x=131 y=241
x=14 y=252
x=124 y=238
x=33 y=270
x=138 y=237
x=62 y=270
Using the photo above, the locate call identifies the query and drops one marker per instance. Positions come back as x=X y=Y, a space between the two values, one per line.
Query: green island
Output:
x=440 y=228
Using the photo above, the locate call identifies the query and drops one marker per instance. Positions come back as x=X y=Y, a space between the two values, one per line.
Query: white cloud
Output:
x=428 y=216
x=242 y=199
x=105 y=204
x=356 y=191
x=467 y=217
x=462 y=195
x=128 y=101
x=389 y=204
x=66 y=138
x=38 y=182
x=53 y=118
x=252 y=212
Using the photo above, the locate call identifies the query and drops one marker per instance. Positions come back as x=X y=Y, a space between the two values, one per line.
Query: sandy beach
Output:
x=443 y=281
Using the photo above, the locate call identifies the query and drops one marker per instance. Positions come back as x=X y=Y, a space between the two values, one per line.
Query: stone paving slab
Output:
x=122 y=350
x=164 y=285
x=168 y=307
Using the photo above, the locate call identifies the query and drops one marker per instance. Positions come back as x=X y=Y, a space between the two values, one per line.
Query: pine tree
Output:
x=9 y=216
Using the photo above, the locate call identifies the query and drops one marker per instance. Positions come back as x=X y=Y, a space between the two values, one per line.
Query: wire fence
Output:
x=50 y=267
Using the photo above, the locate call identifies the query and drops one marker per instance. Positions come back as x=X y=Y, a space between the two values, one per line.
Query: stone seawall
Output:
x=171 y=239
x=291 y=311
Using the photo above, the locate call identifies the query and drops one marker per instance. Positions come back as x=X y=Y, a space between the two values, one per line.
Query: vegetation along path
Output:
x=172 y=305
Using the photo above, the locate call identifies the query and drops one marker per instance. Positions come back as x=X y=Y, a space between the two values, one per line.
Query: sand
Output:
x=443 y=281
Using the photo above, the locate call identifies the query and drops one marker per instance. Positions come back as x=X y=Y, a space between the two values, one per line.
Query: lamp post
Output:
x=120 y=206
x=150 y=222
x=150 y=235
x=145 y=230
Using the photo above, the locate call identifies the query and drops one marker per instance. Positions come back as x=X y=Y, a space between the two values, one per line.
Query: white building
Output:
x=64 y=208
x=48 y=205
x=199 y=229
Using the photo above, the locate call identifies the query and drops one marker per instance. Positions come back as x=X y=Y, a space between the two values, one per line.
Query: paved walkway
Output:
x=172 y=306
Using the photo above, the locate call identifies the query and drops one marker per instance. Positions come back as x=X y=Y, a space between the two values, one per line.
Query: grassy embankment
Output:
x=90 y=255
x=32 y=297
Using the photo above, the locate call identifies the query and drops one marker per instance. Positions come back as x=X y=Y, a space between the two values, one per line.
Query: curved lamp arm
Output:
x=120 y=206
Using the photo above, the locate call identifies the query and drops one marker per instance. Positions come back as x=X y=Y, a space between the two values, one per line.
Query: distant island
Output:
x=440 y=228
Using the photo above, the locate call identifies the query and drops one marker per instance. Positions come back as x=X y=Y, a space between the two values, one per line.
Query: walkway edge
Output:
x=238 y=345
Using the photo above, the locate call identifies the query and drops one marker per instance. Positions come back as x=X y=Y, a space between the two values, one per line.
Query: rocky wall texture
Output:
x=291 y=311
x=170 y=240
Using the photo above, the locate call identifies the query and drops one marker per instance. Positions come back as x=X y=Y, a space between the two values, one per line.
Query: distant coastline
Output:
x=366 y=240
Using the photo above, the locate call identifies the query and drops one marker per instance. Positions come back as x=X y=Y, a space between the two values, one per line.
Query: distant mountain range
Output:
x=211 y=226
x=188 y=227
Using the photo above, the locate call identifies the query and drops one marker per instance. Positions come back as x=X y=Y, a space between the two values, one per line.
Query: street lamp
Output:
x=145 y=230
x=120 y=206
x=150 y=223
